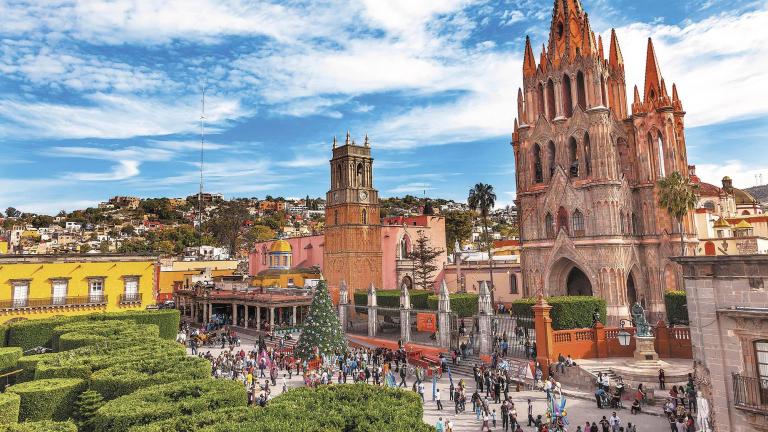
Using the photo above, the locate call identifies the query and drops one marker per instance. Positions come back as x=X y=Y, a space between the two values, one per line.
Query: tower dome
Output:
x=280 y=255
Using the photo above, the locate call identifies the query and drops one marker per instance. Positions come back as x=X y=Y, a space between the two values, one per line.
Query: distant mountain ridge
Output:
x=759 y=192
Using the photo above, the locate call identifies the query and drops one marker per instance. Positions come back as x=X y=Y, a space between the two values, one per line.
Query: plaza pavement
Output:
x=579 y=409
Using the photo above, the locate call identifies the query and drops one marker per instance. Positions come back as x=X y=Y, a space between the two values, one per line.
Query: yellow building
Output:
x=41 y=286
x=280 y=274
x=175 y=275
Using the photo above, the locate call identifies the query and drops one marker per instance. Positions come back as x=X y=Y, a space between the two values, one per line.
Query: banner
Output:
x=426 y=322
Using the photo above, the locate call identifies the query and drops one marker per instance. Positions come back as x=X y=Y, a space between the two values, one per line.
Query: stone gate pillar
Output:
x=372 y=309
x=405 y=315
x=484 y=312
x=544 y=343
x=444 y=316
x=343 y=304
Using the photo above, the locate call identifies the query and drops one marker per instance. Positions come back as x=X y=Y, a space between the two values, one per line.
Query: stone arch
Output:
x=538 y=175
x=551 y=158
x=360 y=175
x=338 y=176
x=567 y=100
x=562 y=220
x=581 y=90
x=540 y=104
x=407 y=282
x=587 y=154
x=551 y=109
x=573 y=157
x=632 y=284
x=567 y=277
x=404 y=247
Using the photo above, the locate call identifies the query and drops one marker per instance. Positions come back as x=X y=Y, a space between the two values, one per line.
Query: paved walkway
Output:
x=579 y=409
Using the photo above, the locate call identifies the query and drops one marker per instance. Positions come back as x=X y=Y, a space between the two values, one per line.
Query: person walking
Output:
x=437 y=399
x=662 y=379
x=439 y=427
x=530 y=413
x=614 y=422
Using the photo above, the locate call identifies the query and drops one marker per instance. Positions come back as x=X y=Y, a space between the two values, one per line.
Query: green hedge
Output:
x=28 y=364
x=9 y=408
x=9 y=358
x=677 y=312
x=350 y=407
x=49 y=399
x=39 y=426
x=3 y=335
x=36 y=332
x=90 y=327
x=391 y=298
x=167 y=319
x=568 y=312
x=125 y=378
x=182 y=398
x=462 y=304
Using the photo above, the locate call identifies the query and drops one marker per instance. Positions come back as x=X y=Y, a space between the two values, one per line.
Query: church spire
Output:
x=676 y=103
x=347 y=141
x=529 y=64
x=652 y=74
x=587 y=39
x=334 y=141
x=600 y=51
x=615 y=59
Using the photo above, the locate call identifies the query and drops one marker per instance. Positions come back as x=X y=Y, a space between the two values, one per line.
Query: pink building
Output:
x=398 y=236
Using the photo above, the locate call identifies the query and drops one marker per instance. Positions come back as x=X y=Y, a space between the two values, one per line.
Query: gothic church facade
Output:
x=587 y=171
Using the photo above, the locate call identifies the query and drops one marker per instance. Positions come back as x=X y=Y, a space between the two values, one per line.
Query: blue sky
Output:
x=102 y=98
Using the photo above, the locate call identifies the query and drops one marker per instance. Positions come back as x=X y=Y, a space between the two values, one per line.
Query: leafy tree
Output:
x=85 y=248
x=85 y=409
x=11 y=212
x=226 y=225
x=135 y=246
x=128 y=230
x=481 y=199
x=104 y=247
x=424 y=256
x=322 y=332
x=678 y=195
x=39 y=221
x=458 y=227
x=256 y=234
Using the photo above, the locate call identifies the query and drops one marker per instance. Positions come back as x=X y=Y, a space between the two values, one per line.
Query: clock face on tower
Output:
x=363 y=195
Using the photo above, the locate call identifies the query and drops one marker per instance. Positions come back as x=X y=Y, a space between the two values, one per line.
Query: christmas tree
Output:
x=322 y=334
x=85 y=409
x=423 y=257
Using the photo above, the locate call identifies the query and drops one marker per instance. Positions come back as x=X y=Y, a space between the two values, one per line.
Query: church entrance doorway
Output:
x=631 y=290
x=578 y=283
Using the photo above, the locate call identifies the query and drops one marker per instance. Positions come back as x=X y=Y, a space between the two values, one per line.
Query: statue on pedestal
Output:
x=641 y=324
x=702 y=414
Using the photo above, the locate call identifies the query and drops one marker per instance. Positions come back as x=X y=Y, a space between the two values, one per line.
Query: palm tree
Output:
x=481 y=198
x=678 y=195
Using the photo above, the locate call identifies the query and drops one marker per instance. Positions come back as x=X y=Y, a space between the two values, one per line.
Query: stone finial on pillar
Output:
x=372 y=311
x=444 y=316
x=485 y=312
x=405 y=315
x=343 y=304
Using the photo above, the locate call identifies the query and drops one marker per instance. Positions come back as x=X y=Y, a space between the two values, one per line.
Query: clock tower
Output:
x=352 y=223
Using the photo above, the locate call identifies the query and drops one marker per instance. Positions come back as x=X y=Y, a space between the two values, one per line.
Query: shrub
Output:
x=49 y=399
x=391 y=298
x=462 y=304
x=182 y=398
x=125 y=378
x=85 y=409
x=167 y=319
x=568 y=312
x=28 y=364
x=9 y=407
x=676 y=303
x=101 y=328
x=9 y=357
x=353 y=407
x=39 y=426
x=37 y=332
x=3 y=334
x=70 y=341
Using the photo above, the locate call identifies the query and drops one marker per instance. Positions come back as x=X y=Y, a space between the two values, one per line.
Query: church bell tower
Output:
x=352 y=222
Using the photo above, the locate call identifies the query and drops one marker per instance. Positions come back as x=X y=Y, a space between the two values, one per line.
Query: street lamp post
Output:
x=623 y=335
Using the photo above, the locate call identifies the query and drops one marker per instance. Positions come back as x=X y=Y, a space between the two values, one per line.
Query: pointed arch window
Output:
x=360 y=175
x=540 y=101
x=578 y=223
x=364 y=217
x=538 y=176
x=562 y=220
x=549 y=225
x=622 y=227
x=551 y=154
x=660 y=144
x=573 y=157
x=581 y=90
x=587 y=154
x=338 y=176
x=602 y=91
x=567 y=100
x=551 y=111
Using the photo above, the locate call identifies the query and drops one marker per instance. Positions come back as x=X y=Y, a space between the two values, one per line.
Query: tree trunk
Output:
x=490 y=259
x=682 y=243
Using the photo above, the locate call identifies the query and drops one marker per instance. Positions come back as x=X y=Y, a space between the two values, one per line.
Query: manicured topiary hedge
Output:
x=167 y=319
x=33 y=333
x=352 y=407
x=9 y=358
x=677 y=312
x=100 y=328
x=129 y=376
x=568 y=312
x=391 y=298
x=9 y=407
x=462 y=304
x=39 y=426
x=28 y=365
x=181 y=398
x=3 y=334
x=49 y=399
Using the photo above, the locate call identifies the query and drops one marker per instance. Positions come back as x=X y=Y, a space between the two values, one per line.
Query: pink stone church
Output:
x=587 y=170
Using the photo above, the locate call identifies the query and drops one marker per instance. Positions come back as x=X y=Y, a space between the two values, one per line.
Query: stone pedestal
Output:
x=645 y=349
x=444 y=317
x=372 y=320
x=405 y=325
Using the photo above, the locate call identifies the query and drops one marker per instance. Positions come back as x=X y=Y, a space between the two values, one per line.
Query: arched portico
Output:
x=568 y=278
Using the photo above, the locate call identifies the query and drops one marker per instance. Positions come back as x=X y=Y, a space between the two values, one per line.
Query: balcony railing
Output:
x=130 y=298
x=27 y=303
x=750 y=393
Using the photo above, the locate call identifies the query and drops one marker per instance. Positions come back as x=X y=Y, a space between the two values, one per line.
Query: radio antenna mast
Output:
x=202 y=148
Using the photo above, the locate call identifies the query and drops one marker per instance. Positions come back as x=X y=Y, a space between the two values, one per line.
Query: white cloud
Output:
x=304 y=162
x=743 y=175
x=113 y=116
x=123 y=170
x=411 y=188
